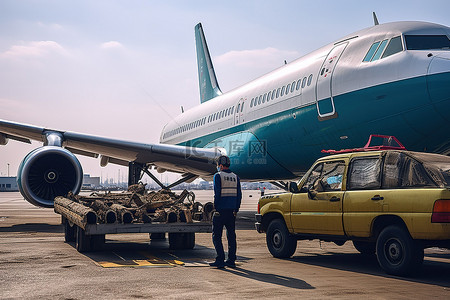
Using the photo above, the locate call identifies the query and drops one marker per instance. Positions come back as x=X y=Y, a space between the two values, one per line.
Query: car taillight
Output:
x=259 y=208
x=441 y=212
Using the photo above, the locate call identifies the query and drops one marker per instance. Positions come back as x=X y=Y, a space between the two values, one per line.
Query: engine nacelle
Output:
x=48 y=172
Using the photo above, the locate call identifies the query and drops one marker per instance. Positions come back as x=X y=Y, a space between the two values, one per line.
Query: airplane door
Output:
x=324 y=95
x=239 y=112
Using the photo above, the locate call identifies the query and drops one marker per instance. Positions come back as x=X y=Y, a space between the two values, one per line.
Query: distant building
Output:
x=8 y=184
x=90 y=183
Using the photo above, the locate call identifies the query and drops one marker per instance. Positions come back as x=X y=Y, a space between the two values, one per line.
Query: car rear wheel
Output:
x=397 y=252
x=280 y=243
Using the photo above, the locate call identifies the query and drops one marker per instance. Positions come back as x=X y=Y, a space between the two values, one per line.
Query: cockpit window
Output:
x=382 y=49
x=394 y=46
x=371 y=51
x=427 y=42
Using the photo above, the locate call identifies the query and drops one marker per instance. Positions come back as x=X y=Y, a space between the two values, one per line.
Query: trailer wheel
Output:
x=397 y=252
x=83 y=241
x=178 y=241
x=69 y=231
x=280 y=243
x=189 y=240
x=158 y=236
x=97 y=242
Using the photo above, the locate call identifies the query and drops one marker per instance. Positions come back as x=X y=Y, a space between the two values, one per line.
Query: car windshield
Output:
x=437 y=166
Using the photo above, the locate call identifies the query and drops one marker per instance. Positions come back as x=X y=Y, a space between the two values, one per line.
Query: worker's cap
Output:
x=223 y=160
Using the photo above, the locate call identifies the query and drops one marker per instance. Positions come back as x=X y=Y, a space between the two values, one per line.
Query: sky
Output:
x=123 y=69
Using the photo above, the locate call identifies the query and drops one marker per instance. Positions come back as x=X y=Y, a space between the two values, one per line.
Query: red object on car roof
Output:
x=389 y=143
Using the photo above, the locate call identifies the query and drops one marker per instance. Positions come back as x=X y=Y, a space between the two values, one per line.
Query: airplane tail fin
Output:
x=209 y=88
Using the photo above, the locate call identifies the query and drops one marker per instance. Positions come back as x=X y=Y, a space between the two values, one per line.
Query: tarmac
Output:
x=36 y=263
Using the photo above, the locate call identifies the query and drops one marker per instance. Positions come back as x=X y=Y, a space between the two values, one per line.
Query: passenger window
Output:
x=282 y=91
x=371 y=51
x=268 y=96
x=394 y=46
x=313 y=177
x=278 y=92
x=310 y=79
x=251 y=102
x=273 y=94
x=403 y=171
x=259 y=100
x=292 y=87
x=326 y=177
x=379 y=51
x=331 y=179
x=232 y=109
x=237 y=109
x=304 y=82
x=364 y=173
x=298 y=84
x=264 y=98
x=288 y=88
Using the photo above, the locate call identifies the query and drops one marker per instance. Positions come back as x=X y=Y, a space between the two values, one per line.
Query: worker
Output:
x=227 y=201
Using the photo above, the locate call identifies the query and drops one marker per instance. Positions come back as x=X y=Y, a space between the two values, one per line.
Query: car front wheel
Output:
x=280 y=243
x=397 y=252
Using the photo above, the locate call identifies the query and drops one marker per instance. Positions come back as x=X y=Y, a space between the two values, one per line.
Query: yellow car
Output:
x=393 y=203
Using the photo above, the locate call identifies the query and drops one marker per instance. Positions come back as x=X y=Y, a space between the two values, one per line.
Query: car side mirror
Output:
x=293 y=187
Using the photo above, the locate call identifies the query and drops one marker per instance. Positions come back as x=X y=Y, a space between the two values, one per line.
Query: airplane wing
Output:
x=181 y=159
x=53 y=170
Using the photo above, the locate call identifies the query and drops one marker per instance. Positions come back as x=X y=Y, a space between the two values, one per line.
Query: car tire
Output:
x=279 y=241
x=397 y=252
x=365 y=248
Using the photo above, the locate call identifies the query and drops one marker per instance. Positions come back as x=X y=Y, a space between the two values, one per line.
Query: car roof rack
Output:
x=389 y=142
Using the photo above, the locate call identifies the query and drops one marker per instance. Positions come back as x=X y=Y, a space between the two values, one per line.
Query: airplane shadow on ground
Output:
x=430 y=273
x=34 y=227
x=285 y=281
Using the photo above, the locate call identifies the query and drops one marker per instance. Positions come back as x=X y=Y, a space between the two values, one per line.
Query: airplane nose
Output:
x=438 y=78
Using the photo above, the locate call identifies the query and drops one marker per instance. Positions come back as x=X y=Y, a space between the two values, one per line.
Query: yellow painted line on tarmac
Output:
x=135 y=263
x=147 y=260
x=172 y=262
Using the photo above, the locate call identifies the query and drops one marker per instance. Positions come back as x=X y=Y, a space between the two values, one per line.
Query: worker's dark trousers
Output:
x=228 y=220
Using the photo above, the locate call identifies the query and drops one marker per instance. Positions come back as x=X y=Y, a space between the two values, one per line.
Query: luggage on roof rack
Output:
x=389 y=142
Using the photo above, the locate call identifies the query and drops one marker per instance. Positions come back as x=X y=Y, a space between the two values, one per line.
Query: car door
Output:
x=317 y=209
x=364 y=198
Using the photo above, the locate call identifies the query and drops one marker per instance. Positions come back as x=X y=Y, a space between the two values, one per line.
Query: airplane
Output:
x=391 y=78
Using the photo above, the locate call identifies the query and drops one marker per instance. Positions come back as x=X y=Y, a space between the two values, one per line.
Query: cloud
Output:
x=33 y=50
x=256 y=58
x=51 y=26
x=111 y=45
x=235 y=68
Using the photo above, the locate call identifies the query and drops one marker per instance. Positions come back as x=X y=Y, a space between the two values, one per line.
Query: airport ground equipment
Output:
x=86 y=219
x=391 y=203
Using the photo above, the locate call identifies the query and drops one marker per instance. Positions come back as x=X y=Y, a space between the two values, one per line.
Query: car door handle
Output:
x=335 y=199
x=377 y=197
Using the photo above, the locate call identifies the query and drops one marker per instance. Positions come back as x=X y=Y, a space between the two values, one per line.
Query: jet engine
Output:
x=47 y=172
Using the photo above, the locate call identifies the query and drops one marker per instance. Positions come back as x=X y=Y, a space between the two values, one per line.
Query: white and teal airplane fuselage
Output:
x=389 y=79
